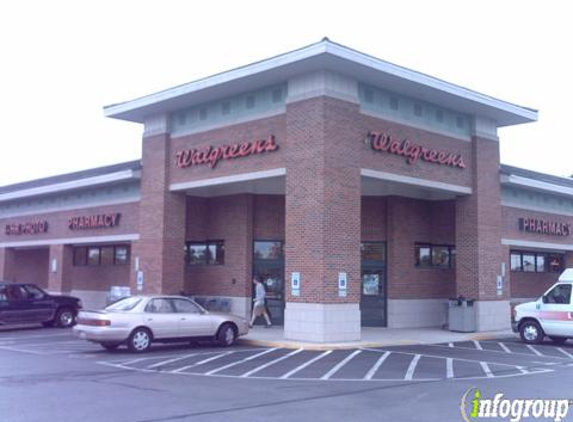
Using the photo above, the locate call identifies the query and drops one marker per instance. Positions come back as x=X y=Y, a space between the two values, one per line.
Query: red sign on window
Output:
x=382 y=142
x=212 y=155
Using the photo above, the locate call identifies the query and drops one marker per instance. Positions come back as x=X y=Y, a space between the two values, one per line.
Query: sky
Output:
x=62 y=61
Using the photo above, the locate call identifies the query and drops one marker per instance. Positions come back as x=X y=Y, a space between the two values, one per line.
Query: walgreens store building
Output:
x=364 y=193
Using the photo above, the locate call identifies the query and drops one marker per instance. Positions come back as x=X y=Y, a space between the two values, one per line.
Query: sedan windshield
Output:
x=125 y=304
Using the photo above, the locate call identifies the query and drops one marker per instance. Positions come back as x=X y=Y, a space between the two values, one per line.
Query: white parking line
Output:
x=477 y=345
x=410 y=372
x=340 y=365
x=376 y=366
x=537 y=352
x=569 y=355
x=438 y=346
x=522 y=370
x=450 y=344
x=504 y=348
x=486 y=369
x=168 y=361
x=272 y=362
x=304 y=365
x=202 y=362
x=230 y=365
x=449 y=368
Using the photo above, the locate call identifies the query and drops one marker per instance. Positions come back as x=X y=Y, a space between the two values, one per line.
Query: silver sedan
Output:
x=137 y=321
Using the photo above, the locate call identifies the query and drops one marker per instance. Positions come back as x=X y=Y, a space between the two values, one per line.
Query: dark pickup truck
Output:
x=25 y=303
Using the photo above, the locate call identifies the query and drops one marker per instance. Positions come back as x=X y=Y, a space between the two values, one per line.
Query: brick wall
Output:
x=161 y=222
x=228 y=218
x=411 y=221
x=32 y=266
x=478 y=227
x=269 y=217
x=323 y=198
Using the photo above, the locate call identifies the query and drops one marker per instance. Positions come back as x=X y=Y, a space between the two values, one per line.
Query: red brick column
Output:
x=478 y=239
x=160 y=249
x=323 y=192
x=59 y=264
x=7 y=264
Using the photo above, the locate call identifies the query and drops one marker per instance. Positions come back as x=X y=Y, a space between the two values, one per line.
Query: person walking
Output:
x=259 y=307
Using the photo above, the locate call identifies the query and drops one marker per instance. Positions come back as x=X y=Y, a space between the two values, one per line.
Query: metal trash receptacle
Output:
x=461 y=315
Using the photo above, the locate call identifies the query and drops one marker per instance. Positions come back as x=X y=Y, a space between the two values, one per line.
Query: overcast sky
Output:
x=62 y=61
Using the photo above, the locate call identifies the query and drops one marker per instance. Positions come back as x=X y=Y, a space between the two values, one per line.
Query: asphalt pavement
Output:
x=47 y=375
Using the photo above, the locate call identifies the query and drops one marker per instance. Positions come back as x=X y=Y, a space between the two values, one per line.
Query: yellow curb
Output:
x=321 y=347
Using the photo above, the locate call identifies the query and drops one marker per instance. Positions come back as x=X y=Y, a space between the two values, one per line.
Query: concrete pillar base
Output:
x=493 y=315
x=322 y=323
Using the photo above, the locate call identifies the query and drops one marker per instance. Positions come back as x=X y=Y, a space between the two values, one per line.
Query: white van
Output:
x=551 y=315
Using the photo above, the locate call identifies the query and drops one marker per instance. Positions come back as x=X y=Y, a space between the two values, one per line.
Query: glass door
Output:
x=269 y=264
x=373 y=293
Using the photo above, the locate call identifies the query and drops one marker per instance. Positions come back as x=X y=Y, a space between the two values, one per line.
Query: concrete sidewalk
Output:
x=371 y=337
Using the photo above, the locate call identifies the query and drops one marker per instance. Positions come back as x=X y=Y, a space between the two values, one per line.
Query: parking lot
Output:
x=409 y=363
x=65 y=379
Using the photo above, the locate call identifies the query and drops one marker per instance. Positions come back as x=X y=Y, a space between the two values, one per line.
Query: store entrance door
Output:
x=269 y=264
x=373 y=308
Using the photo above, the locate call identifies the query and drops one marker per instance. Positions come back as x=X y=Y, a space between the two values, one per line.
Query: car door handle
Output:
x=183 y=319
x=150 y=319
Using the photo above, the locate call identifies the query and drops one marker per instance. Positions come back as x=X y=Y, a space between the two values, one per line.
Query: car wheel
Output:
x=226 y=335
x=139 y=340
x=558 y=340
x=65 y=318
x=110 y=346
x=531 y=332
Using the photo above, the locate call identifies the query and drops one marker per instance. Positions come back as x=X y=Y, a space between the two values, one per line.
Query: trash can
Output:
x=461 y=315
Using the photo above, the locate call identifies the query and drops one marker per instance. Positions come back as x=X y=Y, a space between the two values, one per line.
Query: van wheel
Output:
x=558 y=340
x=531 y=332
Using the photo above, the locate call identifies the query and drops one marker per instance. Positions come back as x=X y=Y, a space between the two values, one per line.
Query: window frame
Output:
x=211 y=259
x=547 y=258
x=86 y=263
x=432 y=247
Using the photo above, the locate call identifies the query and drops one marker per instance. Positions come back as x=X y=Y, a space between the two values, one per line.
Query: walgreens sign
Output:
x=383 y=142
x=212 y=155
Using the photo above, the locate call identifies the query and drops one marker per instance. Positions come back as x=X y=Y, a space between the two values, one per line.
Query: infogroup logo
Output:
x=475 y=407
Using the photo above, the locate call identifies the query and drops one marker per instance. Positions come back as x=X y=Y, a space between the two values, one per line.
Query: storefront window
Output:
x=93 y=256
x=515 y=262
x=554 y=263
x=441 y=256
x=532 y=262
x=423 y=256
x=101 y=255
x=529 y=263
x=211 y=252
x=121 y=255
x=540 y=263
x=268 y=250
